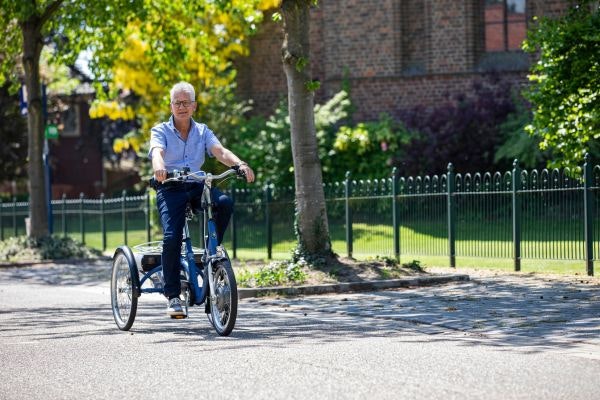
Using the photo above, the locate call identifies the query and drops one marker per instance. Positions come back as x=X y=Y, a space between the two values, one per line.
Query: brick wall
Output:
x=395 y=53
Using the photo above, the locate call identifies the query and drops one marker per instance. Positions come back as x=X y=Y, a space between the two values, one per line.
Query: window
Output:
x=414 y=40
x=505 y=25
x=70 y=121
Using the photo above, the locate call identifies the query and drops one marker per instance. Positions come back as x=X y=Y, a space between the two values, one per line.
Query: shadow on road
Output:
x=92 y=272
x=526 y=311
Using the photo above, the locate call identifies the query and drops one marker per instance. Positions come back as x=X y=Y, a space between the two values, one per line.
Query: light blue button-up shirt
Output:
x=180 y=153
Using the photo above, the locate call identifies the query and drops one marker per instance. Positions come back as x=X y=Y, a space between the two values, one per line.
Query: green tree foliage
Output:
x=164 y=37
x=70 y=27
x=266 y=143
x=565 y=82
x=367 y=149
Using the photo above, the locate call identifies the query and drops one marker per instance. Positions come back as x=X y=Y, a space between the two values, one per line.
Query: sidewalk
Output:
x=534 y=312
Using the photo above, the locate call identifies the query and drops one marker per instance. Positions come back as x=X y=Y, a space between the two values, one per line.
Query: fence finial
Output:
x=516 y=163
x=450 y=167
x=587 y=157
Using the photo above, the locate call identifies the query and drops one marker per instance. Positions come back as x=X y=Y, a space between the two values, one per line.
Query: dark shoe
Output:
x=174 y=309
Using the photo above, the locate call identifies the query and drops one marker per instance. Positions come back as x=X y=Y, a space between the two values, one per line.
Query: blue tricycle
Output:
x=206 y=274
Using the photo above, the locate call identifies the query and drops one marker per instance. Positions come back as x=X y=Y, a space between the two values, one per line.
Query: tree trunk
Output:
x=311 y=223
x=32 y=47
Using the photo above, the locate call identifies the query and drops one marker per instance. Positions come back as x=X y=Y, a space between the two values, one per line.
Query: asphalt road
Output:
x=58 y=341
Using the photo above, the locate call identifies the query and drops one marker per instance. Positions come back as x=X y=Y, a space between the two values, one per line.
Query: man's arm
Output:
x=158 y=164
x=227 y=157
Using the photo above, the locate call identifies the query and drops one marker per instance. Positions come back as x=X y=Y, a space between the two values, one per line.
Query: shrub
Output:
x=23 y=248
x=275 y=274
x=464 y=130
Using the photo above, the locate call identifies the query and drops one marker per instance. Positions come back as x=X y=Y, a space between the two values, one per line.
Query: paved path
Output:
x=525 y=312
x=494 y=337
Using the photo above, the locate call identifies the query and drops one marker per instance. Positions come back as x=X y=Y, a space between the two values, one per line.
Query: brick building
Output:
x=398 y=53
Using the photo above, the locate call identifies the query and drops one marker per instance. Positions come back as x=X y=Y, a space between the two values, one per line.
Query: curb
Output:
x=308 y=290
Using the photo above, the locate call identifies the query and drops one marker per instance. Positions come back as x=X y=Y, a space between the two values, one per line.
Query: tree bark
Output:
x=311 y=223
x=32 y=47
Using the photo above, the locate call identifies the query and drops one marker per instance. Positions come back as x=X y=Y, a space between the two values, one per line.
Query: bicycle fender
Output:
x=126 y=250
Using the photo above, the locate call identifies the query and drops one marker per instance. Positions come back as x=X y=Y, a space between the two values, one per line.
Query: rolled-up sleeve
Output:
x=210 y=140
x=157 y=139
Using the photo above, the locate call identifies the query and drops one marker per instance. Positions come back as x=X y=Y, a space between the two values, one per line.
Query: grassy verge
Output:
x=371 y=241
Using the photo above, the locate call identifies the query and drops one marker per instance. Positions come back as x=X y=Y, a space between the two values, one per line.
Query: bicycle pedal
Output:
x=178 y=316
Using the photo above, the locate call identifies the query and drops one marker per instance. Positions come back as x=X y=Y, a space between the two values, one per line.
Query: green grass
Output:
x=570 y=267
x=554 y=249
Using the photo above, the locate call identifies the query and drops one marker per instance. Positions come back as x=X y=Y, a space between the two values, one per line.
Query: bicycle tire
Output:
x=223 y=311
x=123 y=291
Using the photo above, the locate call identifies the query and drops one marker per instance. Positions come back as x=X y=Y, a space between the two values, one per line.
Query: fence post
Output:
x=233 y=223
x=395 y=216
x=348 y=193
x=1 y=223
x=15 y=216
x=516 y=220
x=102 y=222
x=269 y=226
x=451 y=215
x=81 y=219
x=64 y=214
x=124 y=216
x=588 y=202
x=147 y=212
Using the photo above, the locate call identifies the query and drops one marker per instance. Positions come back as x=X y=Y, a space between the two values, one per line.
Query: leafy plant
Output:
x=463 y=130
x=517 y=143
x=22 y=248
x=266 y=144
x=565 y=82
x=414 y=265
x=367 y=147
x=389 y=261
x=275 y=274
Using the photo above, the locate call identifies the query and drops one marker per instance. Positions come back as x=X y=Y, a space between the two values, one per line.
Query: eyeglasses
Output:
x=184 y=104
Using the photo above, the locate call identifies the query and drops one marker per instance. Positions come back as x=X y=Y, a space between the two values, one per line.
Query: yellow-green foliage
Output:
x=193 y=41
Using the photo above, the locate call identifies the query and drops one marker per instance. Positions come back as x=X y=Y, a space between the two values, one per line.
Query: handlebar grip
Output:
x=154 y=184
x=238 y=171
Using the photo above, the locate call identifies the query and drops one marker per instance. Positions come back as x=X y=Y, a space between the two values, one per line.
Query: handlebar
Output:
x=197 y=176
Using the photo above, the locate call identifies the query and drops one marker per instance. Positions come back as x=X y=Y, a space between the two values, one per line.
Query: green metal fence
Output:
x=518 y=214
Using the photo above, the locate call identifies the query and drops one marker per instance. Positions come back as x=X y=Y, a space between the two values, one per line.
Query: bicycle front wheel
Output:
x=223 y=310
x=122 y=291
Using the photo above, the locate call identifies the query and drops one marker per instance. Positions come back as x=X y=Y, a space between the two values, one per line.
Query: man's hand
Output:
x=248 y=173
x=160 y=174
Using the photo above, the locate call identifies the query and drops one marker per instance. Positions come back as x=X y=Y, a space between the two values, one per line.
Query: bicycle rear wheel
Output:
x=223 y=311
x=123 y=293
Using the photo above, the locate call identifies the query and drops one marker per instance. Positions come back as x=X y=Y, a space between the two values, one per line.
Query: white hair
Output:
x=183 y=87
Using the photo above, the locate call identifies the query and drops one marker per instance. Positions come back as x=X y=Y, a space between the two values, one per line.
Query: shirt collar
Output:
x=171 y=123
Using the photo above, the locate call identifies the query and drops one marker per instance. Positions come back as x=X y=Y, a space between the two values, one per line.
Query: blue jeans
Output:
x=171 y=202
